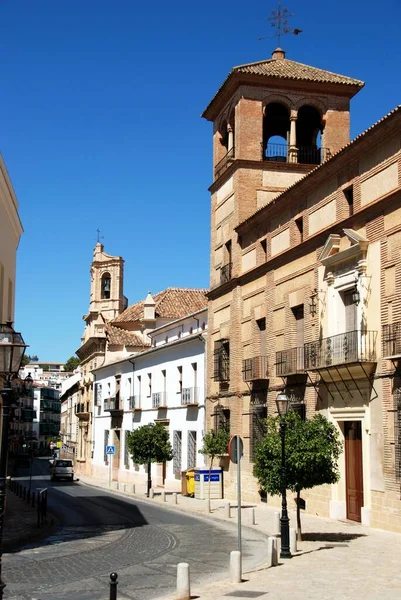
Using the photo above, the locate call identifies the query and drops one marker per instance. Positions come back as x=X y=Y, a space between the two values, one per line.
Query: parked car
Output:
x=62 y=468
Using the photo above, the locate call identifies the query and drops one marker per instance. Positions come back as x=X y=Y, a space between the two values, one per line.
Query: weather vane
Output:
x=99 y=237
x=279 y=21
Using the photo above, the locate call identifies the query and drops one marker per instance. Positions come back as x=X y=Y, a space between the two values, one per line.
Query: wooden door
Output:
x=353 y=469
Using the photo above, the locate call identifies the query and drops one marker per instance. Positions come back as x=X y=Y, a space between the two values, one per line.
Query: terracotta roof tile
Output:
x=122 y=337
x=171 y=303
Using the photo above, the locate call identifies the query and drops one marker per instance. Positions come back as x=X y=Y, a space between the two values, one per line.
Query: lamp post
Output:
x=12 y=348
x=282 y=403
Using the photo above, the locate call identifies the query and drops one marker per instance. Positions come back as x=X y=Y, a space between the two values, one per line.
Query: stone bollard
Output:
x=132 y=488
x=183 y=582
x=272 y=552
x=235 y=566
x=163 y=496
x=151 y=493
x=227 y=511
x=276 y=523
x=293 y=541
x=175 y=498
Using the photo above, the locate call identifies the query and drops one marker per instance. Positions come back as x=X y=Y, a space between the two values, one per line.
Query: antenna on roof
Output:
x=278 y=20
x=99 y=237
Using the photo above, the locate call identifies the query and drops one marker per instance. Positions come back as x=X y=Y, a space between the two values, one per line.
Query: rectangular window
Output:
x=106 y=443
x=349 y=196
x=261 y=323
x=258 y=414
x=300 y=227
x=139 y=382
x=221 y=418
x=179 y=386
x=164 y=384
x=222 y=360
x=177 y=444
x=191 y=450
x=126 y=453
x=149 y=385
x=263 y=245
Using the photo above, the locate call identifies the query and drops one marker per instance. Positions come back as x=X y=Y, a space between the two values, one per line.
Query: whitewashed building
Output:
x=164 y=383
x=70 y=408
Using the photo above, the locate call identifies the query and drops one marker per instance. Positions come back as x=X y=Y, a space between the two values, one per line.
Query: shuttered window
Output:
x=177 y=444
x=191 y=450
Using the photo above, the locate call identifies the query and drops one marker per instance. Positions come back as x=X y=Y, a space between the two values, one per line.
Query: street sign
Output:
x=235 y=451
x=110 y=450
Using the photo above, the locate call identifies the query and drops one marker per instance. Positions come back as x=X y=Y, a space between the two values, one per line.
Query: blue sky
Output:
x=100 y=127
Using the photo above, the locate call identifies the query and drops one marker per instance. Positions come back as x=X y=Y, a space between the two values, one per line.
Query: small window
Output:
x=300 y=227
x=179 y=390
x=349 y=196
x=149 y=384
x=263 y=245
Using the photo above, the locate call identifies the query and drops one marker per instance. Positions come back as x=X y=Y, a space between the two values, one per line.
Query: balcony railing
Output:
x=134 y=403
x=81 y=408
x=225 y=273
x=159 y=399
x=391 y=339
x=28 y=415
x=111 y=404
x=189 y=396
x=305 y=155
x=224 y=163
x=290 y=362
x=254 y=368
x=345 y=348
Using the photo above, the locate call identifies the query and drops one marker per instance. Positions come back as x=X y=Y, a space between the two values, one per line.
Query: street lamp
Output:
x=282 y=402
x=12 y=348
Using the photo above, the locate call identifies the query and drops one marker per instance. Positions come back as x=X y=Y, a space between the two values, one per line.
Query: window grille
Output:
x=106 y=443
x=221 y=417
x=257 y=428
x=222 y=360
x=126 y=453
x=191 y=462
x=177 y=443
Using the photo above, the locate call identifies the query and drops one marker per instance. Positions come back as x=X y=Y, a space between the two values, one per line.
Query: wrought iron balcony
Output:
x=221 y=365
x=134 y=403
x=254 y=368
x=28 y=415
x=290 y=362
x=224 y=163
x=111 y=404
x=226 y=273
x=159 y=400
x=345 y=348
x=391 y=339
x=305 y=155
x=189 y=396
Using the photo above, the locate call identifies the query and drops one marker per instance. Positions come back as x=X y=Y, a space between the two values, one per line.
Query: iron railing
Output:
x=350 y=347
x=391 y=339
x=224 y=163
x=226 y=273
x=221 y=370
x=305 y=155
x=159 y=400
x=189 y=395
x=81 y=407
x=255 y=368
x=290 y=362
x=134 y=402
x=111 y=404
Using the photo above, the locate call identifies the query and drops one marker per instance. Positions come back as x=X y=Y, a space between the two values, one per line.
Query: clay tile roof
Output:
x=171 y=303
x=290 y=69
x=122 y=337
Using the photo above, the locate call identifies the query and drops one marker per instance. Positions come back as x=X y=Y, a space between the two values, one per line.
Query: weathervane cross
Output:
x=279 y=20
x=99 y=237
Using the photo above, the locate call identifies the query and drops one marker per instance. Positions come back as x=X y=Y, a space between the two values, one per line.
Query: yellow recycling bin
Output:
x=190 y=475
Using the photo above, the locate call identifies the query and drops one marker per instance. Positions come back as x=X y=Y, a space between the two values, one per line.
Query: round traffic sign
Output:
x=235 y=448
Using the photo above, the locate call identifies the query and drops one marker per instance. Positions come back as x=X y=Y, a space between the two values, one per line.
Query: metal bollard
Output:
x=183 y=582
x=163 y=496
x=253 y=516
x=175 y=498
x=113 y=586
x=151 y=493
x=227 y=511
x=272 y=551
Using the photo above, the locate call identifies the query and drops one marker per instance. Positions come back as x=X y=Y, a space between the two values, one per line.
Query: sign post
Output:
x=110 y=451
x=236 y=452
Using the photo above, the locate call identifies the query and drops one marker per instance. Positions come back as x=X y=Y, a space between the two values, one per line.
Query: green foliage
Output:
x=312 y=450
x=150 y=443
x=27 y=359
x=71 y=364
x=215 y=443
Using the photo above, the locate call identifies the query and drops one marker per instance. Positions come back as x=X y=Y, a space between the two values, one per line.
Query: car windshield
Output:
x=63 y=463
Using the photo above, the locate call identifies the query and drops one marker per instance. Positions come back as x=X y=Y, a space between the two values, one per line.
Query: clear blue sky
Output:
x=100 y=127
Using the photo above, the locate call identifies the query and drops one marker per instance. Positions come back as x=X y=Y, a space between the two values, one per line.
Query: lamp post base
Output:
x=285 y=551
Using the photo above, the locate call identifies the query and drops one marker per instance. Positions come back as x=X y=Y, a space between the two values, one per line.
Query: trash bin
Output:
x=202 y=484
x=190 y=476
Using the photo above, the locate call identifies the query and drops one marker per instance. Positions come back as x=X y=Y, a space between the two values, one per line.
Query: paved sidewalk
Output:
x=337 y=560
x=20 y=522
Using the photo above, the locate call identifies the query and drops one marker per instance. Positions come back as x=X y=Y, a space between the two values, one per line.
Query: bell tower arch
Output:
x=107 y=278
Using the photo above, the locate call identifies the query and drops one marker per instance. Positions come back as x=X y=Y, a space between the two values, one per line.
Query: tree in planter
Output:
x=312 y=449
x=215 y=443
x=149 y=444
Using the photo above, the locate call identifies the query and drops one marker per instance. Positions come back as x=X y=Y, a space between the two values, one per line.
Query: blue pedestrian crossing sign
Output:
x=110 y=450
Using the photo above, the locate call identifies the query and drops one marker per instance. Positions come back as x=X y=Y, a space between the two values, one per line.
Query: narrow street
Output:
x=100 y=532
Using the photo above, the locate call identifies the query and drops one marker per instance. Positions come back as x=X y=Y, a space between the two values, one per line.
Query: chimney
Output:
x=149 y=308
x=278 y=54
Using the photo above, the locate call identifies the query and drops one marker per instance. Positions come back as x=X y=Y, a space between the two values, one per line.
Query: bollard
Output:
x=28 y=496
x=183 y=583
x=133 y=488
x=235 y=566
x=227 y=511
x=113 y=586
x=253 y=516
x=20 y=490
x=163 y=496
x=276 y=523
x=293 y=541
x=151 y=493
x=24 y=493
x=175 y=497
x=272 y=554
x=33 y=499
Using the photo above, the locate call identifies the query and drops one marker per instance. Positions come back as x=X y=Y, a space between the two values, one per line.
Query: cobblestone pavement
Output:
x=102 y=532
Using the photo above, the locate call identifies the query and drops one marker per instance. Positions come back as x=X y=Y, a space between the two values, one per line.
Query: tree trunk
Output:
x=210 y=475
x=149 y=479
x=299 y=530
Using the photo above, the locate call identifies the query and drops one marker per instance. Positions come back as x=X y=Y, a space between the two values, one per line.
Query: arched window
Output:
x=309 y=130
x=276 y=127
x=106 y=286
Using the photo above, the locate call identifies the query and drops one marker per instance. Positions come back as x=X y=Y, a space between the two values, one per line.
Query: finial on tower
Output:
x=279 y=21
x=99 y=237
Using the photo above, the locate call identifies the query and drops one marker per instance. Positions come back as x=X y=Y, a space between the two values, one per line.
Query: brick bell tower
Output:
x=273 y=122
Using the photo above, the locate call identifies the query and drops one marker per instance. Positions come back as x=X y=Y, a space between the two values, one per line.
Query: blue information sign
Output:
x=110 y=450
